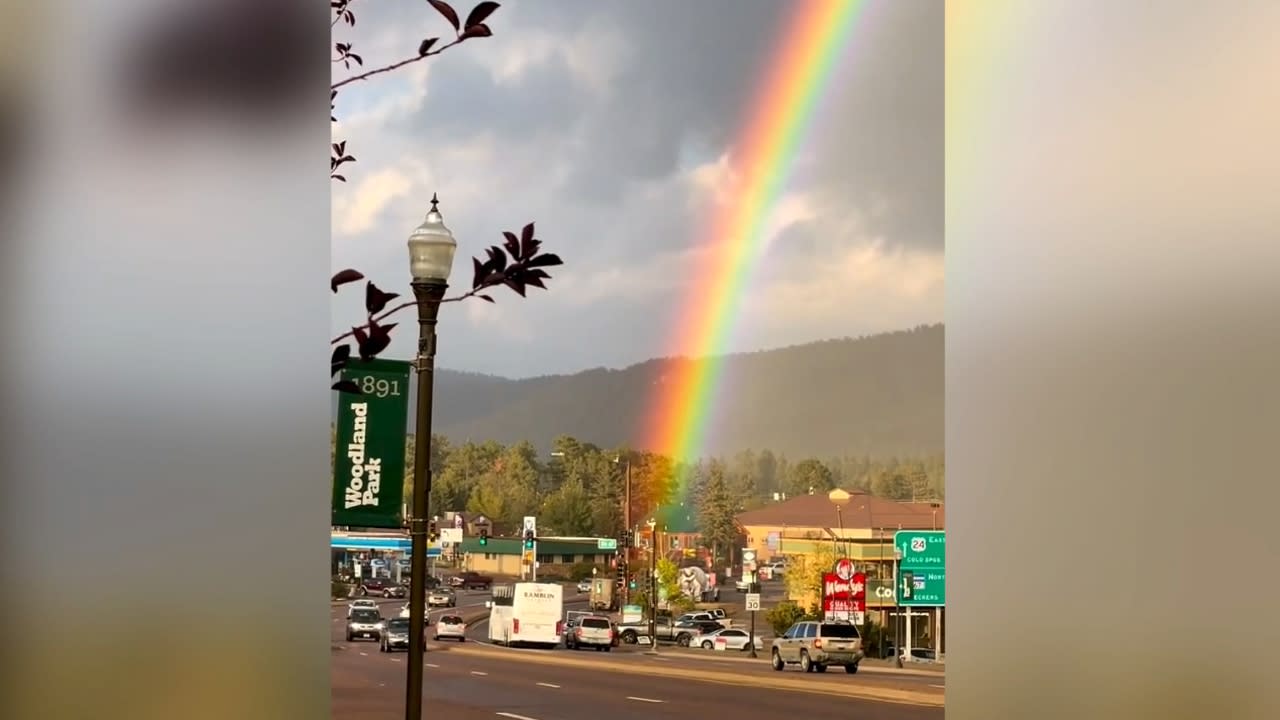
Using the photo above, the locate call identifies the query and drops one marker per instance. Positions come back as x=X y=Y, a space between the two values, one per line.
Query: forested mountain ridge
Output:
x=878 y=396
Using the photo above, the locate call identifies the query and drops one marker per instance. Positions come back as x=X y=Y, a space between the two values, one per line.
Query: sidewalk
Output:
x=869 y=665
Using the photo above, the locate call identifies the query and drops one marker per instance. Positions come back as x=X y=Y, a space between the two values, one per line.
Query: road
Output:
x=369 y=684
x=465 y=681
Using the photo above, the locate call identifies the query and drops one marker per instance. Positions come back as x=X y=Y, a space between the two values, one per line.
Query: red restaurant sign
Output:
x=844 y=592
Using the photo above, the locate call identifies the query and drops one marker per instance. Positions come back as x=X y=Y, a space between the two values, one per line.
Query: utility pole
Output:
x=653 y=585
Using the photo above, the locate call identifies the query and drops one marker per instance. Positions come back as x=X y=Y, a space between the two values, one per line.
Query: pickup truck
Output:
x=471 y=581
x=667 y=630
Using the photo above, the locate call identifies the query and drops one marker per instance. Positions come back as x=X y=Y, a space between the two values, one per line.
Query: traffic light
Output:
x=484 y=536
x=632 y=584
x=528 y=539
x=908 y=584
x=431 y=532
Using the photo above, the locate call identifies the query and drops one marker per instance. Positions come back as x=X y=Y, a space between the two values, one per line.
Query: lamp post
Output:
x=840 y=498
x=431 y=250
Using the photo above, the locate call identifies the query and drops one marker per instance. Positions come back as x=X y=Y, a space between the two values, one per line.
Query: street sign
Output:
x=753 y=602
x=859 y=618
x=606 y=544
x=450 y=536
x=924 y=561
x=531 y=525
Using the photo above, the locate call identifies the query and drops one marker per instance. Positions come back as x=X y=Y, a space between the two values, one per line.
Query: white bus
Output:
x=527 y=614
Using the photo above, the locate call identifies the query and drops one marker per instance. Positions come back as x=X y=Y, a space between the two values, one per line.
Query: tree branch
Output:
x=340 y=13
x=393 y=66
x=388 y=313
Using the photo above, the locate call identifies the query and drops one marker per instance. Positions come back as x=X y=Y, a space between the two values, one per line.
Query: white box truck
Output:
x=527 y=614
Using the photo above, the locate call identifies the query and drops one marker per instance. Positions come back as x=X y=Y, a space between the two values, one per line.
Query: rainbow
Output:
x=779 y=119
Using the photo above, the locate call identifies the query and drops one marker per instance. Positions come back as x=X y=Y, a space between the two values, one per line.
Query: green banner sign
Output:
x=368 y=468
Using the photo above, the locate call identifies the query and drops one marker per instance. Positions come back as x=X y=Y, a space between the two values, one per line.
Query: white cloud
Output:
x=579 y=116
x=358 y=212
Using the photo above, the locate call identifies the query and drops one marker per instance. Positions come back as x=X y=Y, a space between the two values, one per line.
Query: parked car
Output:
x=734 y=639
x=815 y=645
x=451 y=627
x=584 y=586
x=591 y=631
x=395 y=635
x=667 y=630
x=364 y=623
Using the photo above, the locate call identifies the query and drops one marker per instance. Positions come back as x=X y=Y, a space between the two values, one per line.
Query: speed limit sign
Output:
x=753 y=602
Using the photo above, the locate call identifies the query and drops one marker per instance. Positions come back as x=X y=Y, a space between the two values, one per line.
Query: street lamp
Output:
x=840 y=498
x=431 y=250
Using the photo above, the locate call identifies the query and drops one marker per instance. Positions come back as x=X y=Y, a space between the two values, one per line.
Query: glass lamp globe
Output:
x=431 y=248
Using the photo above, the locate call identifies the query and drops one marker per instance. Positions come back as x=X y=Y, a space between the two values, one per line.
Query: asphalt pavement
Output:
x=368 y=684
x=465 y=681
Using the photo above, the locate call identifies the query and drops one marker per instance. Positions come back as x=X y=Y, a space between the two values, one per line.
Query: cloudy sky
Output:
x=612 y=123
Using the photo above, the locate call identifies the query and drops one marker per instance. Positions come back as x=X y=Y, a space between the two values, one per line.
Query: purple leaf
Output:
x=481 y=270
x=339 y=358
x=515 y=284
x=480 y=30
x=512 y=245
x=376 y=300
x=486 y=297
x=344 y=277
x=447 y=11
x=347 y=386
x=377 y=341
x=425 y=47
x=497 y=260
x=480 y=12
x=546 y=260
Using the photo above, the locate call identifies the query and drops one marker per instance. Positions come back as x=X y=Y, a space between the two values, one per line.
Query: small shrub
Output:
x=582 y=571
x=339 y=589
x=782 y=616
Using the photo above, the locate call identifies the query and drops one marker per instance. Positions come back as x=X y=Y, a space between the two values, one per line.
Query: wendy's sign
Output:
x=844 y=592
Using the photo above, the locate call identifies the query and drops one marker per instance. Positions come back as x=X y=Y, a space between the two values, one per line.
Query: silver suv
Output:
x=814 y=645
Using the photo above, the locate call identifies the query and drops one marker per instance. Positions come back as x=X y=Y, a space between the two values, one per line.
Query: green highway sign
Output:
x=923 y=561
x=606 y=544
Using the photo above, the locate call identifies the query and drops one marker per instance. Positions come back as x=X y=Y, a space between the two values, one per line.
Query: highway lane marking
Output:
x=550 y=685
x=939 y=686
x=432 y=665
x=514 y=716
x=477 y=672
x=648 y=700
x=398 y=659
x=364 y=654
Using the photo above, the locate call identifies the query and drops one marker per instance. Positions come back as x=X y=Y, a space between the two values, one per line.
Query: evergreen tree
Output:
x=810 y=476
x=717 y=511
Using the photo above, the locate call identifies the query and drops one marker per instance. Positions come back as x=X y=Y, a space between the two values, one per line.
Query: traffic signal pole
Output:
x=626 y=520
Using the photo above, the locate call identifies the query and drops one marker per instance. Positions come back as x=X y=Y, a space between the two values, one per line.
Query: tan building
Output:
x=861 y=528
